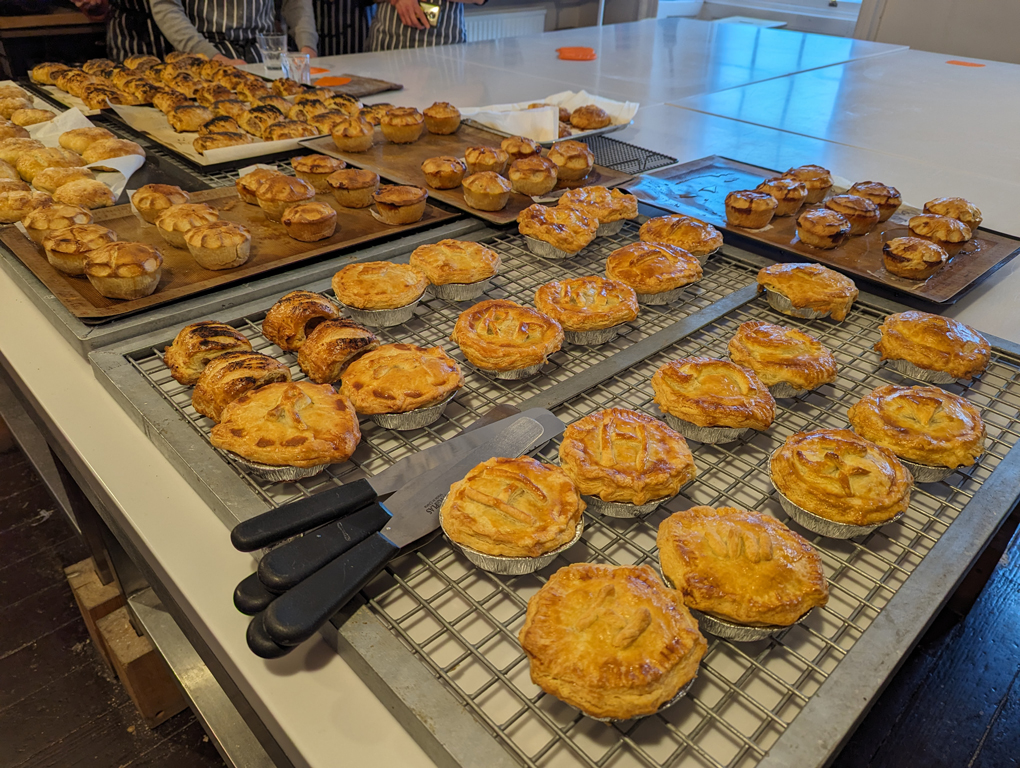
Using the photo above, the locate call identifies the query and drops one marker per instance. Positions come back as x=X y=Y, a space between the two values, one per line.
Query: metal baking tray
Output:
x=435 y=638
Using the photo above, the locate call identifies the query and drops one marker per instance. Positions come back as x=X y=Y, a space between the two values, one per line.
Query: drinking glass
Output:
x=298 y=66
x=272 y=47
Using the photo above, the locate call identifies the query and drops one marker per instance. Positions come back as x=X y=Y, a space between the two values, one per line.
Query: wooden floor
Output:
x=954 y=704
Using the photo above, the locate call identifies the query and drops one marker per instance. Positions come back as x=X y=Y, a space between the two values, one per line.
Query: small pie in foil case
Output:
x=513 y=374
x=708 y=435
x=459 y=291
x=276 y=474
x=546 y=250
x=921 y=374
x=828 y=528
x=704 y=257
x=592 y=338
x=784 y=389
x=926 y=473
x=666 y=705
x=664 y=297
x=622 y=508
x=416 y=419
x=382 y=318
x=610 y=228
x=738 y=633
x=781 y=303
x=514 y=566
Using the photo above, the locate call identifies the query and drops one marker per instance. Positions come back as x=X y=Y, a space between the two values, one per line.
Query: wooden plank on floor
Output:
x=1001 y=745
x=26 y=577
x=29 y=619
x=45 y=661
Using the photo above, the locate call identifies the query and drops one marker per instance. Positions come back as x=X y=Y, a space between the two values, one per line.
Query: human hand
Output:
x=411 y=13
x=310 y=51
x=224 y=60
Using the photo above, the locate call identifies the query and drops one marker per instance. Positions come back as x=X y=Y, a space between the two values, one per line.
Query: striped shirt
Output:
x=388 y=32
x=130 y=31
x=342 y=26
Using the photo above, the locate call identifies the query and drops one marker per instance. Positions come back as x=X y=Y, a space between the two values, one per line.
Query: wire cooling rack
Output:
x=624 y=157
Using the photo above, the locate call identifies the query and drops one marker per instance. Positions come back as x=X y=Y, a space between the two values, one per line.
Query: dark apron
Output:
x=342 y=26
x=130 y=31
x=389 y=33
x=232 y=25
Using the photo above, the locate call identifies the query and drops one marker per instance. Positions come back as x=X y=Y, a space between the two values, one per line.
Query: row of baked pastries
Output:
x=18 y=110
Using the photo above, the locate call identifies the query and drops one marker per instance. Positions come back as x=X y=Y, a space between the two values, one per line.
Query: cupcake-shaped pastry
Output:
x=859 y=211
x=957 y=208
x=85 y=193
x=288 y=430
x=533 y=175
x=658 y=272
x=379 y=293
x=556 y=233
x=373 y=112
x=152 y=199
x=353 y=187
x=913 y=257
x=809 y=291
x=399 y=205
x=402 y=125
x=278 y=193
x=250 y=182
x=839 y=485
x=931 y=348
x=309 y=222
x=589 y=309
x=289 y=321
x=442 y=118
x=518 y=147
x=44 y=219
x=353 y=134
x=456 y=270
x=625 y=463
x=887 y=198
x=744 y=575
x=230 y=375
x=443 y=172
x=176 y=220
x=315 y=169
x=712 y=401
x=505 y=340
x=486 y=191
x=612 y=641
x=697 y=237
x=331 y=346
x=611 y=208
x=817 y=180
x=750 y=209
x=573 y=160
x=822 y=228
x=485 y=159
x=124 y=270
x=402 y=386
x=949 y=234
x=196 y=345
x=932 y=431
x=786 y=360
x=66 y=248
x=219 y=244
x=513 y=516
x=589 y=118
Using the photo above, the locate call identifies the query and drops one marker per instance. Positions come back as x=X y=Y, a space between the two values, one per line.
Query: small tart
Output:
x=486 y=191
x=455 y=262
x=949 y=234
x=822 y=228
x=289 y=321
x=66 y=248
x=124 y=270
x=353 y=187
x=888 y=199
x=219 y=244
x=934 y=343
x=859 y=211
x=441 y=118
x=250 y=182
x=331 y=346
x=315 y=169
x=397 y=378
x=533 y=175
x=16 y=204
x=573 y=159
x=379 y=285
x=402 y=125
x=231 y=375
x=601 y=203
x=279 y=192
x=443 y=172
x=482 y=159
x=651 y=268
x=176 y=220
x=587 y=303
x=749 y=209
x=197 y=344
x=399 y=204
x=613 y=641
x=713 y=393
x=955 y=208
x=626 y=456
x=512 y=507
x=42 y=220
x=779 y=354
x=296 y=424
x=152 y=199
x=564 y=228
x=838 y=475
x=520 y=146
x=810 y=286
x=696 y=237
x=353 y=134
x=309 y=222
x=502 y=335
x=789 y=194
x=741 y=566
x=913 y=257
x=818 y=181
x=590 y=117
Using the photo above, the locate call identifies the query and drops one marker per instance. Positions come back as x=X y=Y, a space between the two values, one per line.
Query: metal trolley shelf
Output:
x=436 y=638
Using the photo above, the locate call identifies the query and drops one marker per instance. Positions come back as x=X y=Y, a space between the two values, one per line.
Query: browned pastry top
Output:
x=713 y=393
x=352 y=178
x=232 y=374
x=693 y=235
x=292 y=318
x=941 y=228
x=392 y=194
x=397 y=378
x=79 y=238
x=568 y=229
x=653 y=267
x=455 y=261
x=379 y=285
x=878 y=193
x=502 y=335
x=123 y=260
x=823 y=222
x=780 y=354
x=181 y=218
x=587 y=303
x=934 y=343
x=441 y=109
x=750 y=200
x=601 y=203
x=811 y=286
x=402 y=116
x=284 y=189
x=955 y=208
x=812 y=176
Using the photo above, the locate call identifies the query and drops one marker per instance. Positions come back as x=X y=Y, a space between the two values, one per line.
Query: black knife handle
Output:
x=251 y=595
x=295 y=616
x=301 y=515
x=261 y=644
x=293 y=562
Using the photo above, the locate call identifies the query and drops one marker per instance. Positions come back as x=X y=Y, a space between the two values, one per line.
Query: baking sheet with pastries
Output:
x=699 y=188
x=271 y=249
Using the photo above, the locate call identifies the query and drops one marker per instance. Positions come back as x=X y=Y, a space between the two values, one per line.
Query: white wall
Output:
x=566 y=14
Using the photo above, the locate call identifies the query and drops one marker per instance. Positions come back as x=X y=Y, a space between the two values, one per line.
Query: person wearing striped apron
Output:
x=342 y=26
x=130 y=31
x=226 y=30
x=402 y=24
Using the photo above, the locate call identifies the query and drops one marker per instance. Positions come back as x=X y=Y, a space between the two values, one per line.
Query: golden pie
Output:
x=590 y=117
x=822 y=228
x=788 y=193
x=315 y=169
x=443 y=172
x=42 y=220
x=817 y=180
x=66 y=248
x=601 y=203
x=397 y=378
x=248 y=183
x=750 y=209
x=955 y=208
x=563 y=228
x=482 y=159
x=950 y=234
x=533 y=175
x=174 y=222
x=486 y=191
x=399 y=204
x=913 y=257
x=653 y=268
x=887 y=198
x=501 y=335
x=573 y=159
x=278 y=192
x=354 y=187
x=713 y=393
x=810 y=287
x=455 y=262
x=441 y=118
x=197 y=344
x=231 y=375
x=310 y=221
x=379 y=285
x=693 y=235
x=859 y=211
x=331 y=346
x=520 y=146
x=289 y=321
x=353 y=134
x=587 y=303
x=778 y=354
x=152 y=199
x=402 y=125
x=219 y=244
x=934 y=343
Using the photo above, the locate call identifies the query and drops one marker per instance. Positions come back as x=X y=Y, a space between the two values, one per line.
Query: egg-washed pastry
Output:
x=107 y=149
x=46 y=72
x=533 y=175
x=219 y=244
x=31 y=116
x=144 y=91
x=741 y=566
x=818 y=181
x=949 y=234
x=229 y=108
x=9 y=173
x=442 y=118
x=295 y=424
x=379 y=285
x=613 y=641
x=779 y=355
x=822 y=228
x=249 y=182
x=512 y=507
x=276 y=101
x=502 y=335
x=278 y=192
x=934 y=343
x=40 y=221
x=285 y=86
x=72 y=81
x=353 y=134
x=564 y=131
x=324 y=122
x=402 y=125
x=66 y=248
x=625 y=456
x=231 y=77
x=652 y=269
x=838 y=475
x=189 y=117
x=518 y=147
x=859 y=211
x=203 y=144
x=97 y=66
x=443 y=172
x=485 y=159
x=567 y=229
x=257 y=119
x=288 y=129
x=587 y=303
x=397 y=378
x=750 y=209
x=289 y=321
x=168 y=99
x=300 y=112
x=102 y=96
x=354 y=187
x=590 y=117
x=913 y=257
x=341 y=102
x=331 y=346
x=10 y=105
x=790 y=194
x=957 y=208
x=309 y=222
x=10 y=131
x=398 y=205
x=888 y=199
x=50 y=179
x=600 y=203
x=486 y=191
x=13 y=148
x=124 y=270
x=252 y=91
x=317 y=94
x=455 y=262
x=176 y=220
x=141 y=62
x=219 y=124
x=87 y=193
x=199 y=343
x=810 y=287
x=708 y=392
x=697 y=237
x=33 y=161
x=573 y=159
x=227 y=377
x=210 y=93
x=16 y=204
x=13 y=183
x=315 y=169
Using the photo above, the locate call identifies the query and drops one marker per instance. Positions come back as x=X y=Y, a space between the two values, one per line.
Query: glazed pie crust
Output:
x=563 y=228
x=651 y=268
x=455 y=262
x=811 y=286
x=289 y=321
x=587 y=303
x=693 y=235
x=601 y=203
x=502 y=335
x=197 y=344
x=331 y=346
x=713 y=393
x=397 y=378
x=779 y=354
x=379 y=285
x=934 y=343
x=231 y=375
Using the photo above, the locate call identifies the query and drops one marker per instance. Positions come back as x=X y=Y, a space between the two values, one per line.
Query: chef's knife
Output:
x=296 y=615
x=304 y=514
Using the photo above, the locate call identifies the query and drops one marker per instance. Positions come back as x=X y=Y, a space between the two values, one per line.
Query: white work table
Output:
x=317 y=709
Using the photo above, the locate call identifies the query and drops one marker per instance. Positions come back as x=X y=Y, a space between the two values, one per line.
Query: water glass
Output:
x=272 y=48
x=298 y=66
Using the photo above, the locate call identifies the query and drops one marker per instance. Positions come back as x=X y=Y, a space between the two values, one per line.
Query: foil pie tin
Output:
x=416 y=419
x=828 y=528
x=276 y=474
x=927 y=473
x=921 y=374
x=514 y=374
x=514 y=566
x=738 y=633
x=622 y=508
x=610 y=228
x=663 y=297
x=784 y=389
x=547 y=250
x=459 y=291
x=703 y=257
x=708 y=435
x=592 y=338
x=666 y=705
x=781 y=303
x=382 y=318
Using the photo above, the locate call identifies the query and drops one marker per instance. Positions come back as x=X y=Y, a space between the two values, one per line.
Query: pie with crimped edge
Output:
x=397 y=378
x=741 y=566
x=564 y=228
x=587 y=303
x=779 y=354
x=934 y=343
x=811 y=286
x=379 y=285
x=693 y=235
x=613 y=641
x=651 y=268
x=502 y=335
x=455 y=262
x=601 y=203
x=713 y=393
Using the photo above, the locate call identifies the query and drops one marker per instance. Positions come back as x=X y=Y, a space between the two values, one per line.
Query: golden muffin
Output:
x=66 y=248
x=949 y=234
x=353 y=134
x=533 y=175
x=443 y=172
x=331 y=346
x=750 y=209
x=581 y=304
x=657 y=272
x=397 y=378
x=402 y=125
x=823 y=228
x=124 y=270
x=957 y=208
x=590 y=117
x=808 y=290
x=697 y=237
x=486 y=191
x=354 y=187
x=816 y=179
x=175 y=221
x=485 y=159
x=888 y=199
x=518 y=147
x=379 y=285
x=309 y=222
x=501 y=335
x=277 y=193
x=231 y=375
x=219 y=244
x=442 y=118
x=782 y=356
x=573 y=159
x=565 y=229
x=43 y=219
x=934 y=344
x=398 y=205
x=455 y=262
x=913 y=257
x=290 y=320
x=859 y=211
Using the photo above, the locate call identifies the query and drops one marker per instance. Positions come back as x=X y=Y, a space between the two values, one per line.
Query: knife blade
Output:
x=296 y=615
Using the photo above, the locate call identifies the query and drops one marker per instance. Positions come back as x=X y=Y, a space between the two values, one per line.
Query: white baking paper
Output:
x=543 y=124
x=73 y=102
x=49 y=132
